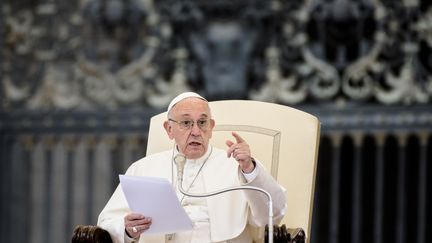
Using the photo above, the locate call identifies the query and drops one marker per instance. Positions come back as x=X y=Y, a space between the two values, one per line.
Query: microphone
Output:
x=180 y=160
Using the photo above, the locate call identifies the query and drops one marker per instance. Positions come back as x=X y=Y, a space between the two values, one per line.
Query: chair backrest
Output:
x=284 y=139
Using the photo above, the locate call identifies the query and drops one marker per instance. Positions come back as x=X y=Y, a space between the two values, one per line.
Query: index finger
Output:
x=134 y=216
x=237 y=137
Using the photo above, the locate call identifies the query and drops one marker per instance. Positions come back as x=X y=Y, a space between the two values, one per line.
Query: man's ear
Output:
x=168 y=129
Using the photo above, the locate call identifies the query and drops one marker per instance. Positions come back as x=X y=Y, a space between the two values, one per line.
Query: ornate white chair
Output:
x=284 y=139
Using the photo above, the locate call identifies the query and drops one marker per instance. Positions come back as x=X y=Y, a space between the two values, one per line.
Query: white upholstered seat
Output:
x=284 y=139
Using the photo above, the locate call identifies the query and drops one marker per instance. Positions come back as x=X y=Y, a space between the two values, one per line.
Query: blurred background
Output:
x=80 y=80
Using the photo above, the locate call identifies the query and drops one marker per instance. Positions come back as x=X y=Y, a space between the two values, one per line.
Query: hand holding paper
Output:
x=155 y=198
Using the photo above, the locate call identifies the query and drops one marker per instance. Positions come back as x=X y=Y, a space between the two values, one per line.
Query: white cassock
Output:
x=236 y=217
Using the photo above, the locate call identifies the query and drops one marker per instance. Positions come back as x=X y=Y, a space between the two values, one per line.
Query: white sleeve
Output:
x=252 y=175
x=258 y=201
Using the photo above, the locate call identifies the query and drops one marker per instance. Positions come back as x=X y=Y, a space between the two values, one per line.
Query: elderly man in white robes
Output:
x=231 y=217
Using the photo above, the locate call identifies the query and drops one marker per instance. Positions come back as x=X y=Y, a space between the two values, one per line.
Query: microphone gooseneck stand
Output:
x=180 y=161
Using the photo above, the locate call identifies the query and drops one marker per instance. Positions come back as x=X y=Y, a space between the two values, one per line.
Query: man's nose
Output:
x=195 y=130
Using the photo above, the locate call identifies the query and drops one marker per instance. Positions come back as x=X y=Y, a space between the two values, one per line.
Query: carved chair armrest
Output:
x=90 y=234
x=282 y=234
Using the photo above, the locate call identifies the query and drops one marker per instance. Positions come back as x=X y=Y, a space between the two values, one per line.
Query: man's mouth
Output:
x=194 y=143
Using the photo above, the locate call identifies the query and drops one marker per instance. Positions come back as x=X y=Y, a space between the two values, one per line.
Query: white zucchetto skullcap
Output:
x=181 y=97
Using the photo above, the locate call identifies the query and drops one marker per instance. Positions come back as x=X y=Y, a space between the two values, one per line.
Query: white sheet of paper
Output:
x=155 y=197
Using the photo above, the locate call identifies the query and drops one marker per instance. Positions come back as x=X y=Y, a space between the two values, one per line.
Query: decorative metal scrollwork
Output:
x=137 y=53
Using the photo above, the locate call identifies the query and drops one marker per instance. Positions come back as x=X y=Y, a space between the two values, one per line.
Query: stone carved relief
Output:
x=137 y=53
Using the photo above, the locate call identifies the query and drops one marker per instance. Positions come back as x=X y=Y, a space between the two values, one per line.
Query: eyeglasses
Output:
x=203 y=124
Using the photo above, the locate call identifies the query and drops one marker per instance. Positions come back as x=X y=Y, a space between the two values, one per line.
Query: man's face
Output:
x=192 y=140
